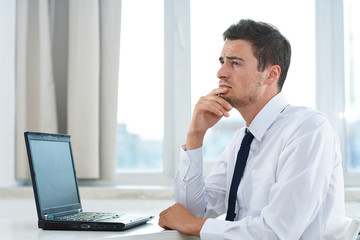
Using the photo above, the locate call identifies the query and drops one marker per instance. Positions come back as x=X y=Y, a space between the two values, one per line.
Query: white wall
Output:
x=7 y=92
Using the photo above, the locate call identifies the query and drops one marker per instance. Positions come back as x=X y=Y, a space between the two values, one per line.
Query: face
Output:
x=239 y=73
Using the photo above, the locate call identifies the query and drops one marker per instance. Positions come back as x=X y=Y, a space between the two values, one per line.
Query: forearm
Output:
x=189 y=184
x=250 y=228
x=204 y=198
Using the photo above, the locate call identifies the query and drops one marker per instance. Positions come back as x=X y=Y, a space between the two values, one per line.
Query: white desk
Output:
x=18 y=220
x=27 y=229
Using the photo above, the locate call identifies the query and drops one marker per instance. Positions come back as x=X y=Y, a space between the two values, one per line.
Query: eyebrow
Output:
x=232 y=58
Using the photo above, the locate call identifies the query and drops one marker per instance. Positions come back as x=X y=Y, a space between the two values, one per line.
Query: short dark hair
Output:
x=270 y=47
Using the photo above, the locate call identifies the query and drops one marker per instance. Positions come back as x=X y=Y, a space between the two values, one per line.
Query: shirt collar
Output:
x=267 y=116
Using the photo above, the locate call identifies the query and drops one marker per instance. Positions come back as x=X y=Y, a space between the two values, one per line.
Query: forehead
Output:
x=238 y=48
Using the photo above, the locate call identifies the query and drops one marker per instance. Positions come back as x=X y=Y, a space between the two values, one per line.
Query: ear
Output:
x=274 y=74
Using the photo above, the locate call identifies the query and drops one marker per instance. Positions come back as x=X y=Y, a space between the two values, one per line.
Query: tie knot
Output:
x=247 y=138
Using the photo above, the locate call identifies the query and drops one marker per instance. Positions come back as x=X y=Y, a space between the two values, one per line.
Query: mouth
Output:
x=223 y=85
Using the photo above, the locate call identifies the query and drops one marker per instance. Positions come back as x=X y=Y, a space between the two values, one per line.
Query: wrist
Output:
x=198 y=226
x=194 y=140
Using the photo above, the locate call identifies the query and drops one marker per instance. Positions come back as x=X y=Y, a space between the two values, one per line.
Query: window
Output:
x=154 y=90
x=141 y=87
x=207 y=42
x=352 y=84
x=155 y=75
x=336 y=80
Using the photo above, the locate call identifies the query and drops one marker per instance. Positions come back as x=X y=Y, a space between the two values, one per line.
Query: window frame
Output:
x=330 y=73
x=177 y=96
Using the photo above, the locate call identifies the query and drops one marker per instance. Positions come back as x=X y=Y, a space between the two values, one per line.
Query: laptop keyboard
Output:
x=89 y=216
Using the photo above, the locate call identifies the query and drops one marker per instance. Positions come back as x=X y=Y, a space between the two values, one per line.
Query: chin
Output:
x=226 y=98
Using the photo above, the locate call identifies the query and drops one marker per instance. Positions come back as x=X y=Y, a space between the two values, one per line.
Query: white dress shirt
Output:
x=292 y=187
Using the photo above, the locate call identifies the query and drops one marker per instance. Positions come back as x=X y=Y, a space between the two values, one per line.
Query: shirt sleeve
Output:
x=247 y=228
x=189 y=181
x=203 y=198
x=309 y=174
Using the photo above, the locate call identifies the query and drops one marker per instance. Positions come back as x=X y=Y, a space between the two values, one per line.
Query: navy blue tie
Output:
x=238 y=173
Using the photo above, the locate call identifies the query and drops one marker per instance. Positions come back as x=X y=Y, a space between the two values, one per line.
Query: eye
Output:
x=221 y=62
x=235 y=63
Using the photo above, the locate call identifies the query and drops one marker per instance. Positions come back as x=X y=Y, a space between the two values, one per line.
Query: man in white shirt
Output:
x=292 y=186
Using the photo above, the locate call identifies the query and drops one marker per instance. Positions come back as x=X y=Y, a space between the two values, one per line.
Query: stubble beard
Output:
x=247 y=99
x=239 y=103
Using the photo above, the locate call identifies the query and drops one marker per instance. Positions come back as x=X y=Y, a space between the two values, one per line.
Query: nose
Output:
x=223 y=72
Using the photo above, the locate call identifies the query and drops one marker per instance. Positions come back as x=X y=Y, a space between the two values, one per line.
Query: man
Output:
x=292 y=185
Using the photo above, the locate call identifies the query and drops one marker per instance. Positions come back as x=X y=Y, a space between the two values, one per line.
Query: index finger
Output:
x=217 y=92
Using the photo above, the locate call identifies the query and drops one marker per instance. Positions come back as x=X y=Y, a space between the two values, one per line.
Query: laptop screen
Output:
x=54 y=173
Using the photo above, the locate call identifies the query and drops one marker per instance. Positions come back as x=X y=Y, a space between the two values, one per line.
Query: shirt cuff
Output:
x=191 y=162
x=213 y=229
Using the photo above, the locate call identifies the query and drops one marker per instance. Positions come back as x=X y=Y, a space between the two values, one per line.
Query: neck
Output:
x=249 y=112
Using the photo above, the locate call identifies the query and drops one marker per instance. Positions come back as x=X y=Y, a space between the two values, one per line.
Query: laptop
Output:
x=56 y=189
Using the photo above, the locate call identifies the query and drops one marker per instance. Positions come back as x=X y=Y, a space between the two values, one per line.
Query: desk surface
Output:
x=27 y=229
x=18 y=220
